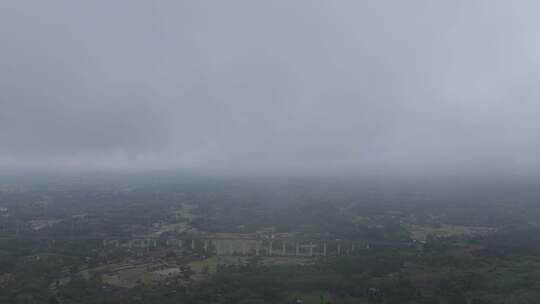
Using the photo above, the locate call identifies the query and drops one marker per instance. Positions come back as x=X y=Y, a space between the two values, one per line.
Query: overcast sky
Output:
x=404 y=87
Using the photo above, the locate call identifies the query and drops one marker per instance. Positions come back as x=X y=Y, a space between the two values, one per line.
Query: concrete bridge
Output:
x=247 y=246
x=230 y=245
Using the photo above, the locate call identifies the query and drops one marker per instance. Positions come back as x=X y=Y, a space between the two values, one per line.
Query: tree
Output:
x=53 y=300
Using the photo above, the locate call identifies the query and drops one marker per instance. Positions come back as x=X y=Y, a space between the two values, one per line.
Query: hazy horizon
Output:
x=374 y=88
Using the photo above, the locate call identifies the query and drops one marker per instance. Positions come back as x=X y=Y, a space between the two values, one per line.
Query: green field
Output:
x=129 y=278
x=210 y=264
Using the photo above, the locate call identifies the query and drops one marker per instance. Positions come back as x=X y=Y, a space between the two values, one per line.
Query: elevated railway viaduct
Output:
x=251 y=246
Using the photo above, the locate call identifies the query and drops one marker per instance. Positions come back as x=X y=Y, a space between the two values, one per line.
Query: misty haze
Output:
x=295 y=152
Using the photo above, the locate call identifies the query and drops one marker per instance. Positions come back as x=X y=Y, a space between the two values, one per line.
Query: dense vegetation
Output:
x=51 y=248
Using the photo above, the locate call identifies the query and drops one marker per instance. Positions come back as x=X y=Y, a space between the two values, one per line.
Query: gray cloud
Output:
x=399 y=87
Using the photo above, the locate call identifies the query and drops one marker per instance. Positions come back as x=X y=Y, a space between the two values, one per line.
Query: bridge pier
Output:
x=217 y=244
x=284 y=248
x=324 y=248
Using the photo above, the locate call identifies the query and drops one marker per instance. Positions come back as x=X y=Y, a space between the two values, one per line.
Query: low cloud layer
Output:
x=398 y=87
